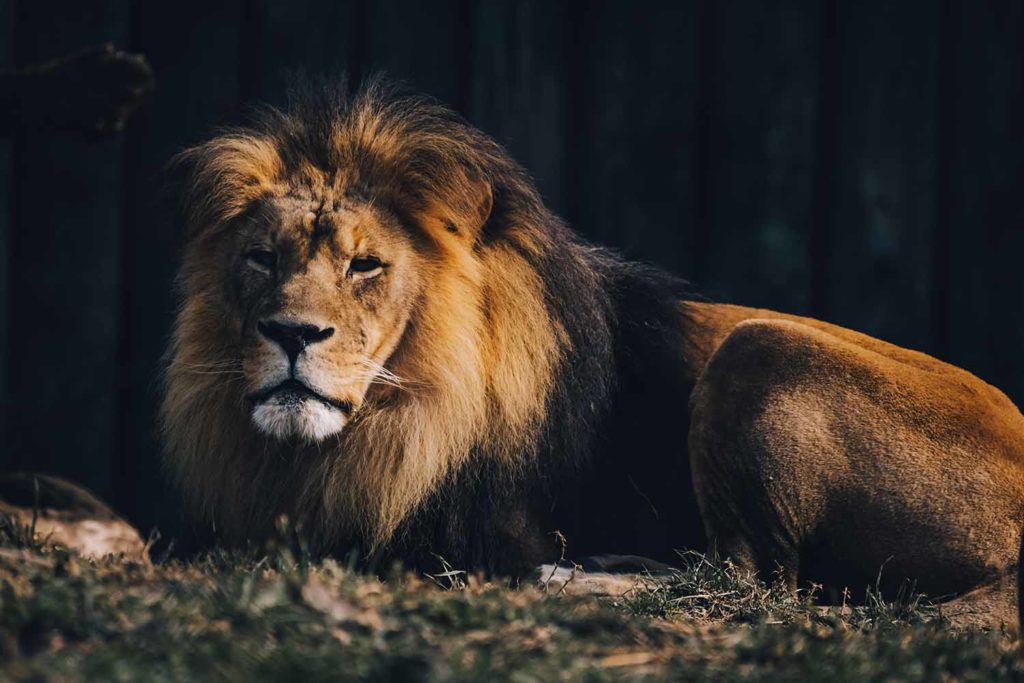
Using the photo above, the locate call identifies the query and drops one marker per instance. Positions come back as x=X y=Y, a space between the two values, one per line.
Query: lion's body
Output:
x=516 y=381
x=832 y=456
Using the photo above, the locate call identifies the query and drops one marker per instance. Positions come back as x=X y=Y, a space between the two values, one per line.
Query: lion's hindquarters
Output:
x=824 y=458
x=739 y=491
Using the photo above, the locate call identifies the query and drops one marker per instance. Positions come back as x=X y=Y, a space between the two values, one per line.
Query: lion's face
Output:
x=324 y=289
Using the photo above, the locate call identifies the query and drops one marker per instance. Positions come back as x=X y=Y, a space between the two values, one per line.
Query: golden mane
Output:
x=479 y=358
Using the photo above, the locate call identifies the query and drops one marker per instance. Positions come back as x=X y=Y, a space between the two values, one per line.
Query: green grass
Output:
x=237 y=617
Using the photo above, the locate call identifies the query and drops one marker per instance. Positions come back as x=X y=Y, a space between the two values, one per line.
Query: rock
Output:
x=67 y=515
x=601 y=575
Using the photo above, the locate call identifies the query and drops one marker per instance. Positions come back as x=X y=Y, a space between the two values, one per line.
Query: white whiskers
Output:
x=378 y=374
x=228 y=368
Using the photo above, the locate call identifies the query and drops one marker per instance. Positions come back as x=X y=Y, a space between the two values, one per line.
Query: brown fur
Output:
x=832 y=456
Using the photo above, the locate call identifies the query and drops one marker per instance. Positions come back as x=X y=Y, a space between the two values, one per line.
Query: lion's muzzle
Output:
x=289 y=404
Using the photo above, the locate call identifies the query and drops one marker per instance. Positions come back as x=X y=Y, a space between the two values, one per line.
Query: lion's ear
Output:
x=484 y=203
x=462 y=220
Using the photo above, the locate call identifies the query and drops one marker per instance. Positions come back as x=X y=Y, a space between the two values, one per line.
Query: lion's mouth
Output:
x=293 y=391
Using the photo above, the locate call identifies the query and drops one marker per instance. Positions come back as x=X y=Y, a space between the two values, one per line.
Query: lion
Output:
x=386 y=336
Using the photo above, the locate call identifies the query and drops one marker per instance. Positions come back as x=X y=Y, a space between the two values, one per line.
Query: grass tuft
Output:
x=282 y=617
x=710 y=589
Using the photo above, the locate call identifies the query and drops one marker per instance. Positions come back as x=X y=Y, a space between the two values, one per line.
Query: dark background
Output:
x=860 y=162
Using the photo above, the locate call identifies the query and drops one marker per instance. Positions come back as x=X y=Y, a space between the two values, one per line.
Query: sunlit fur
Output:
x=476 y=365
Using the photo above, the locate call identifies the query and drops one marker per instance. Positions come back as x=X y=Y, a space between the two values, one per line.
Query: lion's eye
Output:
x=366 y=266
x=263 y=258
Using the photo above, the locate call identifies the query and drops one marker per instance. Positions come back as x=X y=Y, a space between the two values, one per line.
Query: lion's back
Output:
x=859 y=446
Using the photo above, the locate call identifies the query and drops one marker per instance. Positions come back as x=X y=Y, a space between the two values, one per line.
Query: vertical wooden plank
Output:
x=761 y=140
x=64 y=256
x=632 y=128
x=519 y=87
x=886 y=169
x=427 y=45
x=278 y=38
x=826 y=152
x=6 y=233
x=197 y=89
x=984 y=173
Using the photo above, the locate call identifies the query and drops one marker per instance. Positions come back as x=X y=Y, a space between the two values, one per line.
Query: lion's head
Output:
x=324 y=286
x=359 y=314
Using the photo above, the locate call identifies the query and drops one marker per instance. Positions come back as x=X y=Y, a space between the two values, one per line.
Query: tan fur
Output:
x=832 y=455
x=470 y=374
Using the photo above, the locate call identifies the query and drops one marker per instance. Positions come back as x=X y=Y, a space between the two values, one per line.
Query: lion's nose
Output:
x=293 y=337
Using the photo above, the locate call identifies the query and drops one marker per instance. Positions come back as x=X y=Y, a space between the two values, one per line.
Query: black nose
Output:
x=293 y=337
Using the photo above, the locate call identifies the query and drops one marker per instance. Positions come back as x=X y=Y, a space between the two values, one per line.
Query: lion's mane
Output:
x=538 y=361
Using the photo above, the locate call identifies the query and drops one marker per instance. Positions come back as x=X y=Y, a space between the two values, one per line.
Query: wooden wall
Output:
x=857 y=161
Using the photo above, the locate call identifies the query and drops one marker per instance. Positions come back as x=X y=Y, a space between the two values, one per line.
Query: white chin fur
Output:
x=309 y=419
